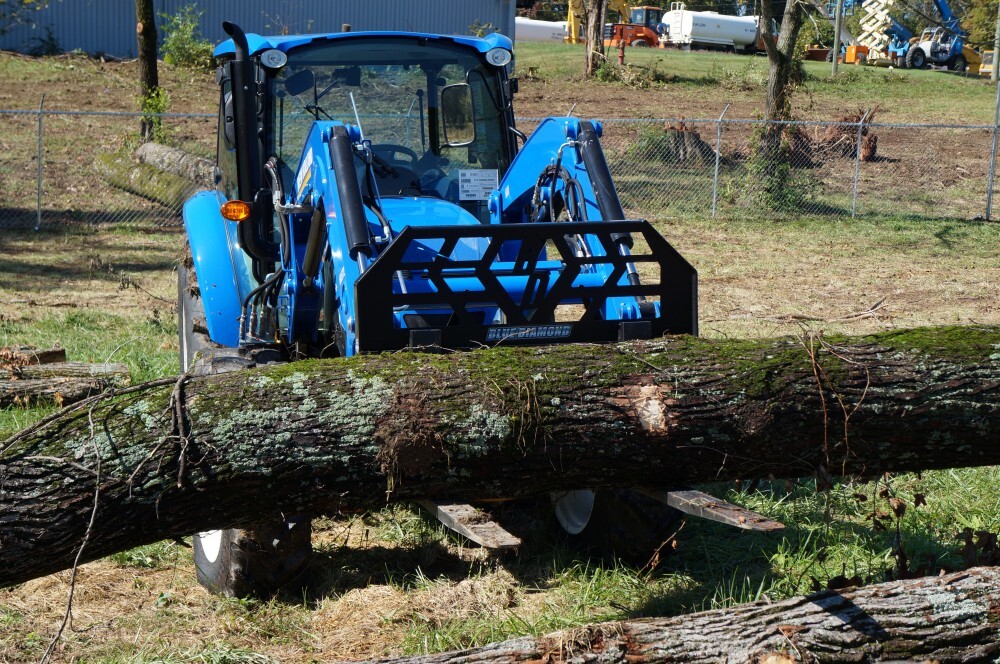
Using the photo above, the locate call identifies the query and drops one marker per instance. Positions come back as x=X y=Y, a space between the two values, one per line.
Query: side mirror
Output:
x=299 y=82
x=457 y=118
x=350 y=76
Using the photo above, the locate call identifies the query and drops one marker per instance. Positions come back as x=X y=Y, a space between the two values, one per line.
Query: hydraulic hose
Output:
x=310 y=262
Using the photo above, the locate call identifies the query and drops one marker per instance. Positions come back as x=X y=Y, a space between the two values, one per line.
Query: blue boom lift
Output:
x=372 y=195
x=941 y=45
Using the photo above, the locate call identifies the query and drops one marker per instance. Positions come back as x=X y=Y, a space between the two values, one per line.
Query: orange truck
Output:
x=641 y=30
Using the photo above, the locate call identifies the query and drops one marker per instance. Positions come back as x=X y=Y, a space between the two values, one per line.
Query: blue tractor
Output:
x=373 y=194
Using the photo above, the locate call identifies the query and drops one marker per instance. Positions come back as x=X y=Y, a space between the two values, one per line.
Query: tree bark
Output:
x=149 y=80
x=594 y=12
x=321 y=436
x=780 y=56
x=948 y=618
x=175 y=161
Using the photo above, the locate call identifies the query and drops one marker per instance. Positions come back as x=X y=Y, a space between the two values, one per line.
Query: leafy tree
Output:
x=769 y=166
x=183 y=44
x=980 y=19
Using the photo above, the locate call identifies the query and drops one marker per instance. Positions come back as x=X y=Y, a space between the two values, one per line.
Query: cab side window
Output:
x=226 y=148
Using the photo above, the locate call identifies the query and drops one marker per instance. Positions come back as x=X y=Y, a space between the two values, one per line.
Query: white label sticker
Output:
x=305 y=173
x=475 y=184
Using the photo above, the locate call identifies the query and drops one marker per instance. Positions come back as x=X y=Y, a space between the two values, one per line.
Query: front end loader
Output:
x=374 y=194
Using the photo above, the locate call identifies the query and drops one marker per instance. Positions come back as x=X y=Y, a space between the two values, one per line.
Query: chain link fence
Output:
x=81 y=167
x=61 y=167
x=720 y=168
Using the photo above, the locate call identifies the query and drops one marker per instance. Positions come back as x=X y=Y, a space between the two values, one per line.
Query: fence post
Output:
x=857 y=164
x=993 y=154
x=38 y=185
x=718 y=154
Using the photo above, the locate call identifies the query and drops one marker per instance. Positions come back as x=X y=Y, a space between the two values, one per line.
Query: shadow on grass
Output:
x=27 y=219
x=714 y=565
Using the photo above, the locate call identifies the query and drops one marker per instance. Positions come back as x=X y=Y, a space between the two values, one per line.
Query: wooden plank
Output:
x=697 y=503
x=471 y=523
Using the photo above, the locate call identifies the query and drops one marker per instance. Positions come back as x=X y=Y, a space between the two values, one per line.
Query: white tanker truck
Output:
x=682 y=28
x=533 y=30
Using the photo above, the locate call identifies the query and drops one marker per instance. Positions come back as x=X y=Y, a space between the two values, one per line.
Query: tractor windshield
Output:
x=428 y=106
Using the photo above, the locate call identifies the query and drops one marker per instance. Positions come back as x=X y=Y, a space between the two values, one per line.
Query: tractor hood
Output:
x=426 y=212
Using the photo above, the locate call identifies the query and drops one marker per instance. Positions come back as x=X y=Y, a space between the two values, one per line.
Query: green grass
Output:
x=104 y=294
x=829 y=536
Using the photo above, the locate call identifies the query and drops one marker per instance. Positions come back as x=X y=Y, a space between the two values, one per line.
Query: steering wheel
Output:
x=396 y=155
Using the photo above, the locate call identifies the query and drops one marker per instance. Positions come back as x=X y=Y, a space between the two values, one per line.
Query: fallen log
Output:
x=24 y=382
x=949 y=618
x=19 y=356
x=123 y=172
x=193 y=168
x=171 y=458
x=111 y=373
x=54 y=390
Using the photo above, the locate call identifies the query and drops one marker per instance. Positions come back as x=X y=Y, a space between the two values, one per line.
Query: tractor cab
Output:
x=426 y=110
x=648 y=17
x=374 y=197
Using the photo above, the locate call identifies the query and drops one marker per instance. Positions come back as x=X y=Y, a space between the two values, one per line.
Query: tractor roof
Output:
x=258 y=43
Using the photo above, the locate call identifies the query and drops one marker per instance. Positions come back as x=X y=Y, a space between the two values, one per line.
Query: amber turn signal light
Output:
x=235 y=210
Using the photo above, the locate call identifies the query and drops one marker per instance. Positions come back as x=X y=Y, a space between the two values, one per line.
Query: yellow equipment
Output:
x=574 y=17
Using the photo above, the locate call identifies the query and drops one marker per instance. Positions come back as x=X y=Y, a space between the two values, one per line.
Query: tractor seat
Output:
x=401 y=182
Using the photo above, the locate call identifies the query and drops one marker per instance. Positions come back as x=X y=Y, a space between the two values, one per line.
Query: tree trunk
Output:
x=934 y=619
x=769 y=168
x=594 y=12
x=781 y=56
x=149 y=80
x=319 y=436
x=61 y=383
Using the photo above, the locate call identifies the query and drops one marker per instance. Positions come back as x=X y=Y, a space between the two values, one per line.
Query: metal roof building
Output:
x=108 y=26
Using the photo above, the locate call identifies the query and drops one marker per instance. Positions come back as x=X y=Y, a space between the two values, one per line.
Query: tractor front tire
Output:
x=915 y=58
x=623 y=524
x=958 y=64
x=260 y=560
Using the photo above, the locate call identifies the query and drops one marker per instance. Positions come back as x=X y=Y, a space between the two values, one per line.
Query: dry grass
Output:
x=764 y=280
